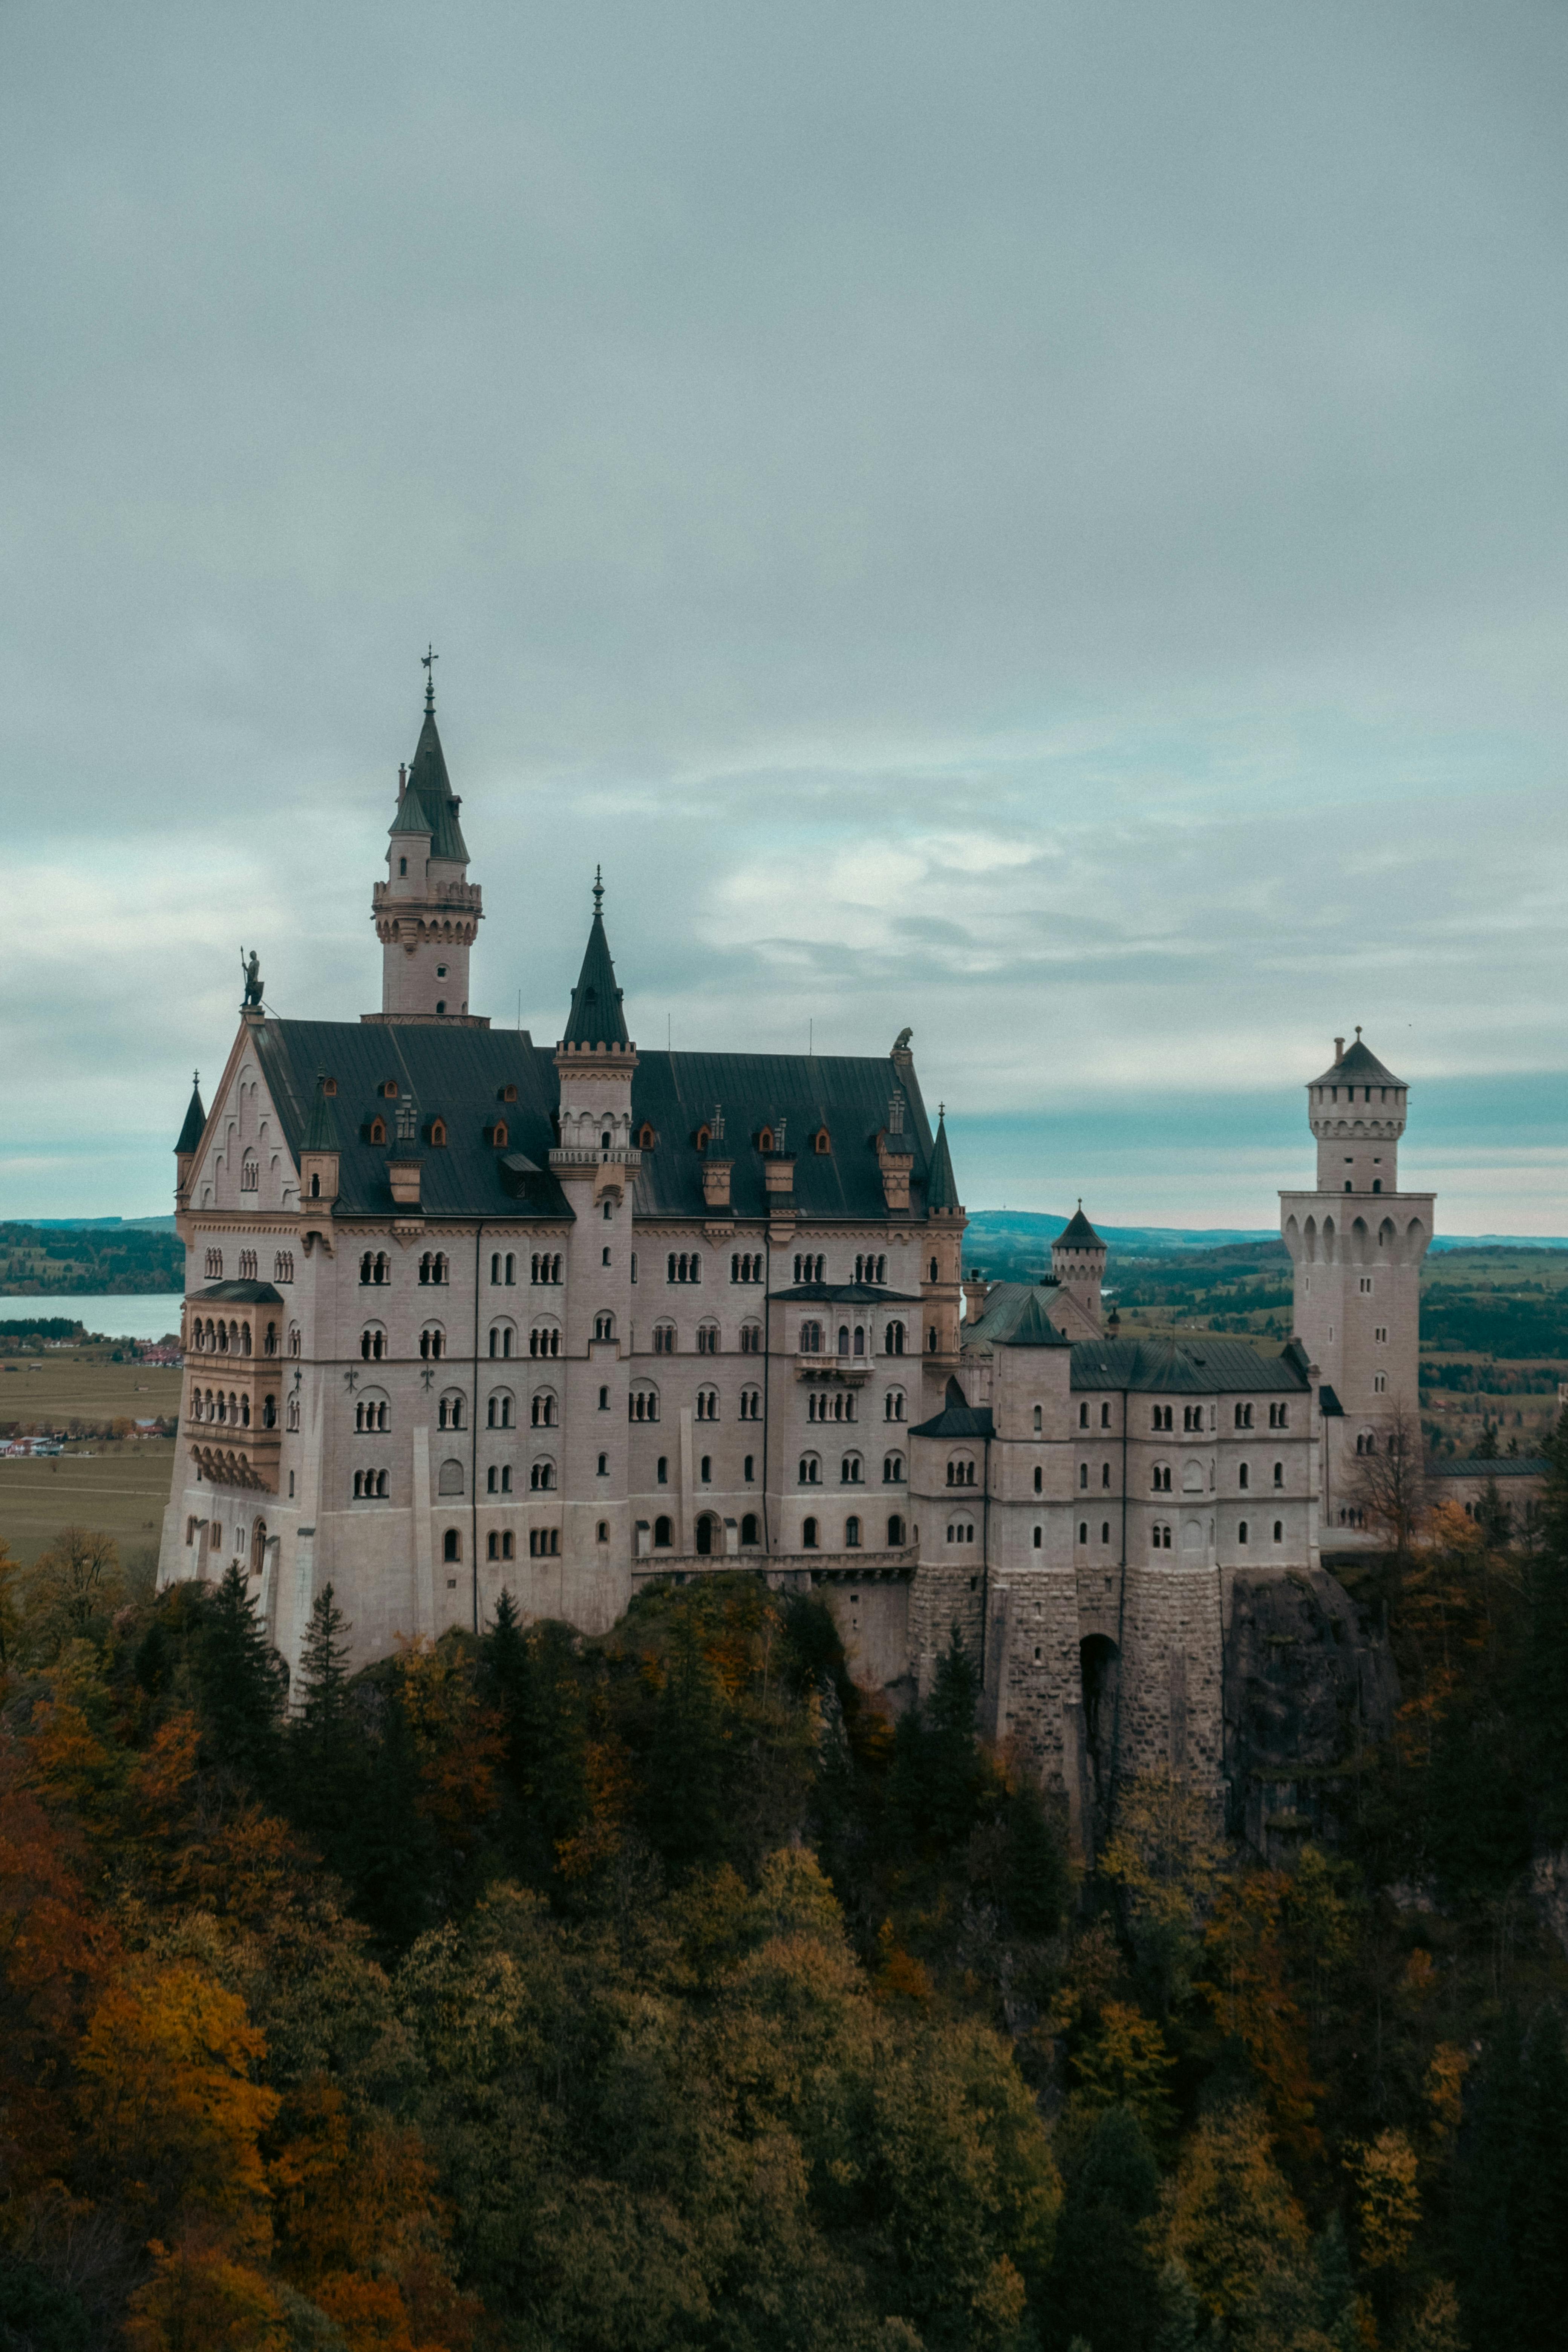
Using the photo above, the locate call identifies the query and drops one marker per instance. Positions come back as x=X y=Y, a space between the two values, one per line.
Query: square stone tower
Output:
x=1357 y=1242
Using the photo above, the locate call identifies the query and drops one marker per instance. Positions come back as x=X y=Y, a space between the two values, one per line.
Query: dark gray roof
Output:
x=1078 y=1233
x=1191 y=1368
x=241 y=1294
x=195 y=1121
x=457 y=1074
x=942 y=1188
x=957 y=1421
x=1496 y=1465
x=1329 y=1404
x=595 y=1017
x=1014 y=1316
x=428 y=804
x=1359 y=1067
x=322 y=1134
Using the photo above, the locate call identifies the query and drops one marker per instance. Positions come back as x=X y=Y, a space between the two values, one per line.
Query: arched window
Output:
x=1243 y=1416
x=1083 y=1531
x=373 y=1343
x=452 y=1545
x=893 y=1339
x=542 y=1477
x=545 y=1412
x=664 y=1338
x=811 y=1339
x=371 y=1413
x=449 y=1413
x=1241 y=1532
x=706 y=1404
x=851 y=1471
x=1039 y=1479
x=293 y=1338
x=291 y=1415
x=432 y=1341
x=449 y=1477
x=765 y=1139
x=895 y=1530
x=378 y=1129
x=1162 y=1478
x=1159 y=1537
x=642 y=1404
x=751 y=1338
x=663 y=1535
x=749 y=1528
x=751 y=1404
x=810 y=1470
x=1279 y=1468
x=808 y=1536
x=544 y=1339
x=647 y=1139
x=960 y=1470
x=893 y=1470
x=1278 y=1530
x=707 y=1339
x=498 y=1411
x=604 y=1327
x=1163 y=1416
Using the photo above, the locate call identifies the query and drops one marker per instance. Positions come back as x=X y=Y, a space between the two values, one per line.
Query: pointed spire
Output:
x=322 y=1135
x=942 y=1188
x=196 y=1117
x=428 y=804
x=1078 y=1233
x=595 y=1018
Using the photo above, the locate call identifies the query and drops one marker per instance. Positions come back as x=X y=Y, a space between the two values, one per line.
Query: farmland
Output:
x=117 y=1487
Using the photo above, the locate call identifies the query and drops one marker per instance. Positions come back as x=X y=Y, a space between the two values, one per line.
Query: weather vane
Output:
x=598 y=889
x=428 y=660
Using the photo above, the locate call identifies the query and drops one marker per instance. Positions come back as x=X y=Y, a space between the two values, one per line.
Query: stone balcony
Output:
x=851 y=1371
x=590 y=1155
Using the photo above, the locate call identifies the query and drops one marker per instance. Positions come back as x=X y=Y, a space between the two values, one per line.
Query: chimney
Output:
x=715 y=1183
x=1339 y=1049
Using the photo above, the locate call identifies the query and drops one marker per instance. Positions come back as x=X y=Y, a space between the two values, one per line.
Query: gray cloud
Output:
x=1045 y=523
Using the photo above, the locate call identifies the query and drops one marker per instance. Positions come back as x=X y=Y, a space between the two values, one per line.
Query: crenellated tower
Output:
x=1077 y=1262
x=1357 y=1244
x=427 y=912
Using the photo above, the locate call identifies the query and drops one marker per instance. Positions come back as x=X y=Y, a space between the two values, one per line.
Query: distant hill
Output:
x=1017 y=1235
x=90 y=1257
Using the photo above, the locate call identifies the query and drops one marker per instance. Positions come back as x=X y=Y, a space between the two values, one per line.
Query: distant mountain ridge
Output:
x=1017 y=1230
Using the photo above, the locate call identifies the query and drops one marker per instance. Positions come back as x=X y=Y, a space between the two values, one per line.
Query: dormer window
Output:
x=704 y=1136
x=378 y=1130
x=497 y=1135
x=328 y=1086
x=437 y=1131
x=645 y=1136
x=388 y=1088
x=822 y=1143
x=506 y=1094
x=765 y=1139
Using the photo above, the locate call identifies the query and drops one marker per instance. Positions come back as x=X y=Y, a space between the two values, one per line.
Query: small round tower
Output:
x=1077 y=1262
x=1356 y=1109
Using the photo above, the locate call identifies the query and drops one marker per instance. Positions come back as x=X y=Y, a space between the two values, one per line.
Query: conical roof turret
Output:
x=429 y=804
x=1078 y=1233
x=195 y=1118
x=595 y=1017
x=941 y=1186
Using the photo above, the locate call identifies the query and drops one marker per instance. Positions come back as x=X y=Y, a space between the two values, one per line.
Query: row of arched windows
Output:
x=851 y=1470
x=370 y=1485
x=684 y=1266
x=221 y=1337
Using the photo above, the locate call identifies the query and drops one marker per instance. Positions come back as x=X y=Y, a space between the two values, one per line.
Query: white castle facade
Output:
x=465 y=1313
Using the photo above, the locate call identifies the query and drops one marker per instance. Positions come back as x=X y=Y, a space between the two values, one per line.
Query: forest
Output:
x=663 y=1990
x=87 y=1261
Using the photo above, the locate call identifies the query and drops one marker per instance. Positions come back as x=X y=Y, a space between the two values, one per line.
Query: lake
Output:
x=152 y=1314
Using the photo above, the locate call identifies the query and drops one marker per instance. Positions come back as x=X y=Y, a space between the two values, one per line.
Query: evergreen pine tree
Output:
x=1179 y=2329
x=684 y=1802
x=957 y=1773
x=237 y=1685
x=1544 y=1695
x=325 y=1764
x=1038 y=1878
x=1103 y=2283
x=1336 y=2298
x=395 y=1863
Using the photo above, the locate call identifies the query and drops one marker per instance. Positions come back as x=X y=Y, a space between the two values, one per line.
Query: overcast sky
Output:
x=1045 y=524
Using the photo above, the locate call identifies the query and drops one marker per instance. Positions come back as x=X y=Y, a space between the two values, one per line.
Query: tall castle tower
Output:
x=426 y=913
x=1357 y=1244
x=1077 y=1261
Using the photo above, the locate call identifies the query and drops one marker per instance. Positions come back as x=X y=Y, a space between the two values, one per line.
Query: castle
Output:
x=465 y=1313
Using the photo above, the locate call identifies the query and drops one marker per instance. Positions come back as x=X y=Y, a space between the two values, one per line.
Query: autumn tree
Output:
x=1390 y=1484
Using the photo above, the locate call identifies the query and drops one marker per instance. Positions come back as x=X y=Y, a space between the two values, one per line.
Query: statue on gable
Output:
x=251 y=968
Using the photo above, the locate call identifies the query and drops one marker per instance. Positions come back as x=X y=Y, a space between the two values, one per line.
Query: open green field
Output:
x=83 y=1384
x=117 y=1489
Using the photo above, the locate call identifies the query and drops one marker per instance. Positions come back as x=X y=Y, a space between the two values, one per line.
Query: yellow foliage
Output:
x=1128 y=2065
x=1388 y=2202
x=1434 y=2324
x=166 y=2093
x=200 y=2299
x=900 y=1977
x=1230 y=2219
x=1445 y=2088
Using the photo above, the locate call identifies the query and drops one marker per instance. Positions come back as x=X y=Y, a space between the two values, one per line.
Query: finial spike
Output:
x=598 y=889
x=1358 y=1028
x=428 y=661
